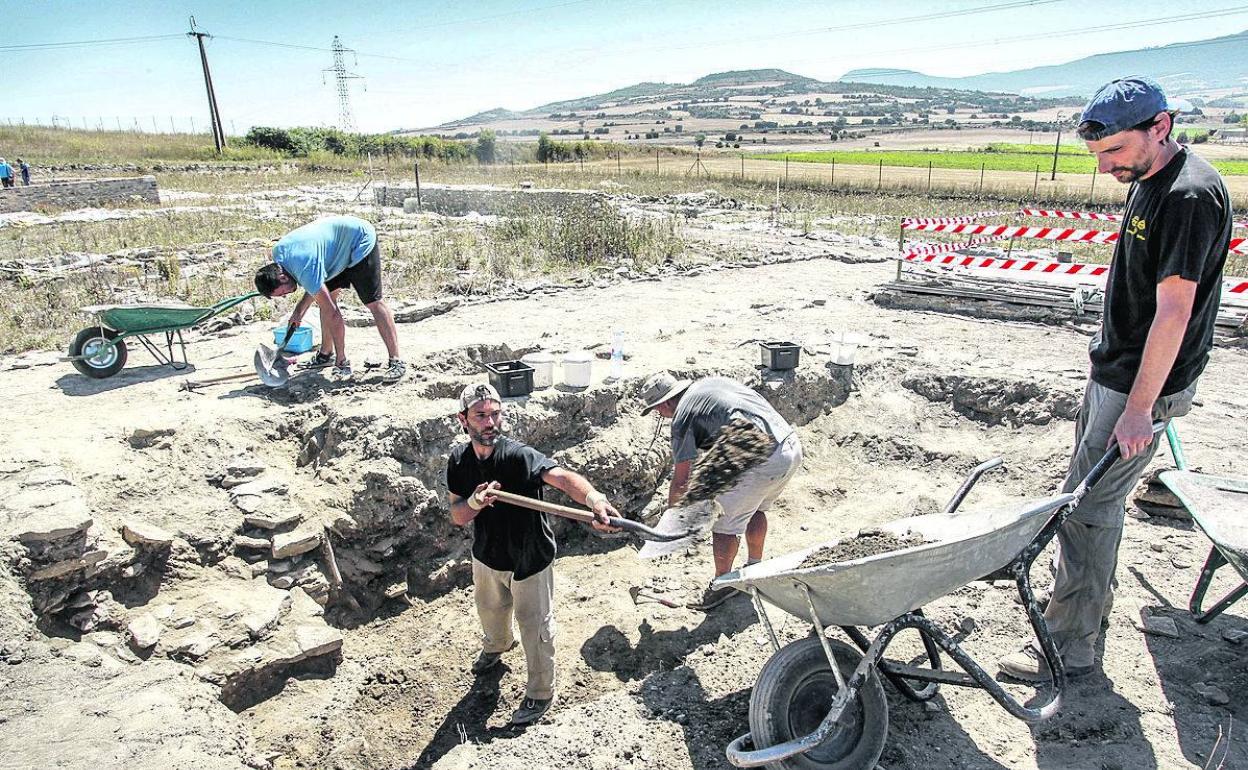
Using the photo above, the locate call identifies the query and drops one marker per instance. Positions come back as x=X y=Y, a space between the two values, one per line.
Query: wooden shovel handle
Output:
x=543 y=506
x=577 y=514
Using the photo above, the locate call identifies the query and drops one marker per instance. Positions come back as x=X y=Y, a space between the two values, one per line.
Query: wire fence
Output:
x=150 y=124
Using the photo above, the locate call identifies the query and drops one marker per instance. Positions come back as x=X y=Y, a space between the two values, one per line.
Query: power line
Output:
x=319 y=49
x=87 y=43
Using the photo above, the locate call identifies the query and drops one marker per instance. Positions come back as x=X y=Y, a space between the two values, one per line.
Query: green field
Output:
x=996 y=157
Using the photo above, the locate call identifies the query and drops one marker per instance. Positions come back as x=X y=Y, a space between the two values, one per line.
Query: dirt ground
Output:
x=929 y=397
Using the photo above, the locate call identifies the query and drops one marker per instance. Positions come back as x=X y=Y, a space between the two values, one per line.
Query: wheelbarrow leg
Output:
x=761 y=611
x=1215 y=561
x=904 y=687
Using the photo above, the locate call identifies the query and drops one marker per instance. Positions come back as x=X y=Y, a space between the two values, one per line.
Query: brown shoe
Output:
x=1028 y=665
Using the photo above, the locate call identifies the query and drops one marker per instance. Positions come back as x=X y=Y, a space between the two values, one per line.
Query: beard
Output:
x=486 y=437
x=1128 y=174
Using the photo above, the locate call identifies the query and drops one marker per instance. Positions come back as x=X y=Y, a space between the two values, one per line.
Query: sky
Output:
x=424 y=63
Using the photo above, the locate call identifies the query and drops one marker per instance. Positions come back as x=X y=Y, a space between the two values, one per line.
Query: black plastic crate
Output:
x=511 y=378
x=780 y=355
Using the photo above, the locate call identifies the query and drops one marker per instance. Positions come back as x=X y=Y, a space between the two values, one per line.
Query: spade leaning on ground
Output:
x=513 y=548
x=702 y=413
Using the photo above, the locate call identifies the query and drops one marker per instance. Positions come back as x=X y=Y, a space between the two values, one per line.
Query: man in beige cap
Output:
x=698 y=411
x=513 y=548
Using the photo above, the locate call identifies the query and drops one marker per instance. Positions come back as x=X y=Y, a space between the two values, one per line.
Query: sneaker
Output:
x=1029 y=665
x=488 y=660
x=394 y=371
x=531 y=710
x=318 y=361
x=342 y=372
x=711 y=598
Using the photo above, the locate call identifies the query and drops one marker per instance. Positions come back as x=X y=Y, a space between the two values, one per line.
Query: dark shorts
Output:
x=364 y=276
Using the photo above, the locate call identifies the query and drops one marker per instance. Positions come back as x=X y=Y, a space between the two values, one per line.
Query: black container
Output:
x=780 y=355
x=511 y=378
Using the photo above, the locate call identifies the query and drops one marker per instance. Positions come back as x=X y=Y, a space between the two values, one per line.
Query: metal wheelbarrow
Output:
x=1219 y=506
x=99 y=350
x=819 y=702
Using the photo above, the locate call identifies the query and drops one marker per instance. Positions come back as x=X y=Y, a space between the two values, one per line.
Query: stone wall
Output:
x=458 y=201
x=80 y=194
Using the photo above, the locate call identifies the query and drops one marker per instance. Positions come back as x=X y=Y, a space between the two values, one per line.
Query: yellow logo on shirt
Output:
x=1137 y=227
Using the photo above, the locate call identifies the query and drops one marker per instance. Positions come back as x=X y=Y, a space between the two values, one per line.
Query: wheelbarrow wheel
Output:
x=93 y=356
x=792 y=696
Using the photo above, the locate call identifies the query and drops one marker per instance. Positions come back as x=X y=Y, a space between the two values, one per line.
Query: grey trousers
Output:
x=500 y=597
x=1087 y=551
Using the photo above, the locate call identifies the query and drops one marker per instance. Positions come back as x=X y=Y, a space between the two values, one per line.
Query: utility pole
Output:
x=341 y=76
x=218 y=134
x=1056 y=145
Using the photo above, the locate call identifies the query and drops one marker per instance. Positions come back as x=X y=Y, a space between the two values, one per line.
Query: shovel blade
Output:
x=694 y=520
x=270 y=367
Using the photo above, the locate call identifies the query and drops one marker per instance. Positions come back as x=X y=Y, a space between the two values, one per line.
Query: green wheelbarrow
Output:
x=99 y=350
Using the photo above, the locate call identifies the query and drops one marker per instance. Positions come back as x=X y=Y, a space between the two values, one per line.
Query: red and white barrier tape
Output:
x=1230 y=284
x=938 y=220
x=961 y=219
x=1070 y=214
x=1009 y=231
x=932 y=249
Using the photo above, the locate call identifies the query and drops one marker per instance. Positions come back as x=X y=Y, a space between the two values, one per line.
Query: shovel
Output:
x=271 y=365
x=586 y=517
x=689 y=523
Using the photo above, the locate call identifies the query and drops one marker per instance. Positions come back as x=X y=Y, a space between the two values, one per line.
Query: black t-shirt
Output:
x=506 y=537
x=1177 y=222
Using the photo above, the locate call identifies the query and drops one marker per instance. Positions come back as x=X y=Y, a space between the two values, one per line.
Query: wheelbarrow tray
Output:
x=100 y=350
x=1219 y=506
x=140 y=319
x=873 y=590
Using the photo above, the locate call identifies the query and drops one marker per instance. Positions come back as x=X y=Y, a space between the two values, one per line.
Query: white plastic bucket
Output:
x=577 y=369
x=846 y=346
x=543 y=369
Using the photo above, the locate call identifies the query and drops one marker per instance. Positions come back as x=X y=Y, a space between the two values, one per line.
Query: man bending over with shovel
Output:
x=513 y=548
x=323 y=257
x=699 y=412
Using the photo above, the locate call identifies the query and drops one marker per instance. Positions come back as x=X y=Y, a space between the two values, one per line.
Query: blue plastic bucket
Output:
x=301 y=340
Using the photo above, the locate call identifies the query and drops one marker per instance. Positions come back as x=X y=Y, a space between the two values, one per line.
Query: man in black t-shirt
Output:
x=1161 y=300
x=513 y=548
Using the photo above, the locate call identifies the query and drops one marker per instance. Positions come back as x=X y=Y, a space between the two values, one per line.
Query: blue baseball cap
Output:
x=1124 y=103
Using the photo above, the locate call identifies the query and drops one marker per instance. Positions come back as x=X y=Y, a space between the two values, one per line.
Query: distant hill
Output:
x=767 y=85
x=1183 y=68
x=751 y=77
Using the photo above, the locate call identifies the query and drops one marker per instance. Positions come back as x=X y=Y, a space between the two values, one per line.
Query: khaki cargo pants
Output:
x=1087 y=550
x=500 y=597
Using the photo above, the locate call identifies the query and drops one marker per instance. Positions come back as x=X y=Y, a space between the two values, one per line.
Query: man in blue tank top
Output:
x=323 y=257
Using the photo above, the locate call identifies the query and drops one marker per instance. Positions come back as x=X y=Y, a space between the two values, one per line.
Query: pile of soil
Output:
x=740 y=446
x=864 y=545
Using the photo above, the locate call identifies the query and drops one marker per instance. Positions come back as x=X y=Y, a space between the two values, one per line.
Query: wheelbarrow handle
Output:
x=979 y=470
x=1106 y=462
x=585 y=517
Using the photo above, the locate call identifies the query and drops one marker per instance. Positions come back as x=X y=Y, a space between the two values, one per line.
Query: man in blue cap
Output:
x=1161 y=300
